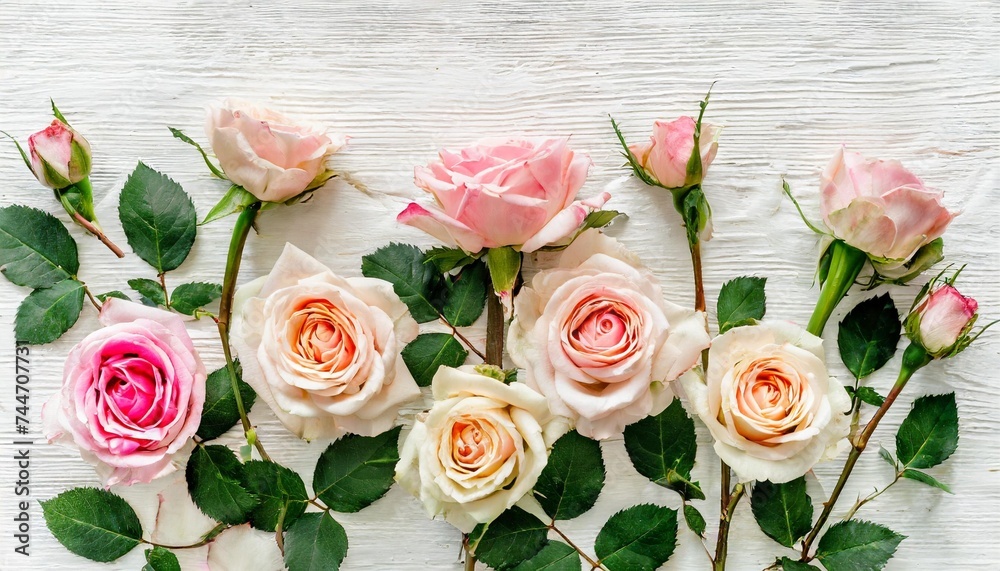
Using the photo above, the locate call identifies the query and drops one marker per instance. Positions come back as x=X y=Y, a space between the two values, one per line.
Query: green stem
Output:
x=845 y=264
x=244 y=223
x=87 y=219
x=722 y=549
x=590 y=560
x=208 y=538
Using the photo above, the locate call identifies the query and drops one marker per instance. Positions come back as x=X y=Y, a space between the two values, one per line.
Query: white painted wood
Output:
x=917 y=81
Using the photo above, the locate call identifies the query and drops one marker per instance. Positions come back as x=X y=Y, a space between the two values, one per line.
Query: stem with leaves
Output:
x=594 y=564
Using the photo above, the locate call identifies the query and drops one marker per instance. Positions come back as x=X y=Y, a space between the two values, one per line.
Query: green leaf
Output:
x=512 y=538
x=403 y=266
x=695 y=521
x=46 y=314
x=186 y=298
x=149 y=289
x=93 y=523
x=868 y=336
x=924 y=478
x=36 y=250
x=429 y=351
x=220 y=412
x=887 y=456
x=356 y=470
x=555 y=556
x=214 y=479
x=740 y=299
x=235 y=200
x=447 y=259
x=102 y=297
x=56 y=113
x=160 y=559
x=662 y=448
x=795 y=565
x=274 y=485
x=158 y=218
x=599 y=219
x=855 y=545
x=868 y=395
x=633 y=162
x=504 y=264
x=467 y=298
x=639 y=538
x=180 y=135
x=316 y=542
x=929 y=434
x=783 y=511
x=573 y=477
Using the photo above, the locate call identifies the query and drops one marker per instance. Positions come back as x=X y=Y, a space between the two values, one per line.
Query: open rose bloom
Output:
x=479 y=449
x=941 y=321
x=769 y=403
x=132 y=394
x=509 y=193
x=323 y=351
x=669 y=149
x=597 y=338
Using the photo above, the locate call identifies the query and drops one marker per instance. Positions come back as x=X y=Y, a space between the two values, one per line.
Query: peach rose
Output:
x=769 y=403
x=668 y=151
x=323 y=351
x=597 y=338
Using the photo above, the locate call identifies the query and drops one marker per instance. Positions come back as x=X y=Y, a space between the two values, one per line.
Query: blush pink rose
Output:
x=514 y=193
x=941 y=320
x=132 y=394
x=59 y=156
x=597 y=338
x=881 y=208
x=668 y=151
x=268 y=154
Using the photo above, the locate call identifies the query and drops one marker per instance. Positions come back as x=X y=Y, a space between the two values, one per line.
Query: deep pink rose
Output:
x=514 y=193
x=666 y=154
x=132 y=394
x=60 y=157
x=941 y=320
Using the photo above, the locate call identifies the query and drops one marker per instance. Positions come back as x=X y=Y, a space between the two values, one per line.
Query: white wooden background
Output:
x=917 y=81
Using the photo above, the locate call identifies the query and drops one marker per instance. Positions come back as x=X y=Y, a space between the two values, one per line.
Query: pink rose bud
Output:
x=60 y=157
x=668 y=151
x=941 y=321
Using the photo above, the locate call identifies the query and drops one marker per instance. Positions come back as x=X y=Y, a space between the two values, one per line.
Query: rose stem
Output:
x=90 y=296
x=462 y=338
x=98 y=234
x=914 y=357
x=593 y=564
x=244 y=222
x=845 y=265
x=84 y=186
x=163 y=286
x=209 y=538
x=722 y=549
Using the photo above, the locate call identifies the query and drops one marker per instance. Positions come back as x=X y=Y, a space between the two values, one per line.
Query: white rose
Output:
x=597 y=338
x=323 y=351
x=479 y=449
x=769 y=403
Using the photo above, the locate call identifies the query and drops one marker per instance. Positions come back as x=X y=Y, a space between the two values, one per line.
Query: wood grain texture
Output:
x=916 y=81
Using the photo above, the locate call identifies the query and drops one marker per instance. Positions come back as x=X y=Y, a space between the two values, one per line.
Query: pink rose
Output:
x=597 y=338
x=60 y=157
x=514 y=193
x=882 y=209
x=941 y=320
x=268 y=154
x=132 y=394
x=668 y=151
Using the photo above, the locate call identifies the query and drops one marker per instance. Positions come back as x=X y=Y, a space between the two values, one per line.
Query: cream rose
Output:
x=769 y=403
x=597 y=338
x=479 y=449
x=323 y=351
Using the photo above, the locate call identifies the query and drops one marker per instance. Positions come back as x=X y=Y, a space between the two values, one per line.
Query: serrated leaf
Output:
x=467 y=298
x=887 y=456
x=214 y=479
x=504 y=264
x=925 y=478
x=929 y=433
x=316 y=542
x=870 y=396
x=275 y=486
x=794 y=565
x=158 y=218
x=573 y=477
x=555 y=556
x=740 y=299
x=36 y=250
x=512 y=538
x=356 y=470
x=663 y=447
x=694 y=520
x=186 y=298
x=639 y=538
x=46 y=314
x=868 y=336
x=447 y=259
x=856 y=545
x=149 y=289
x=783 y=511
x=102 y=297
x=220 y=412
x=403 y=266
x=235 y=200
x=160 y=559
x=429 y=351
x=93 y=523
x=178 y=134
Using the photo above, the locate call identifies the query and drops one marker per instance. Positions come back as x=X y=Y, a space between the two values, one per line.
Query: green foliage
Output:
x=694 y=520
x=555 y=556
x=46 y=314
x=633 y=162
x=93 y=523
x=235 y=200
x=742 y=301
x=855 y=545
x=180 y=135
x=102 y=297
x=160 y=559
x=788 y=564
x=187 y=298
x=929 y=434
x=158 y=218
x=573 y=478
x=151 y=291
x=220 y=412
x=867 y=395
x=429 y=351
x=783 y=511
x=924 y=478
x=36 y=250
x=275 y=487
x=663 y=447
x=316 y=542
x=214 y=479
x=403 y=266
x=447 y=259
x=639 y=538
x=467 y=298
x=599 y=219
x=868 y=336
x=356 y=470
x=512 y=538
x=505 y=265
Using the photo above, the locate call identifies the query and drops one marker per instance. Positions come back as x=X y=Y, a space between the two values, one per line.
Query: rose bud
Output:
x=941 y=320
x=665 y=157
x=60 y=156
